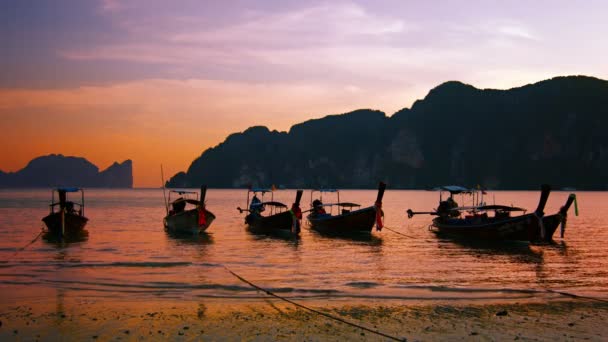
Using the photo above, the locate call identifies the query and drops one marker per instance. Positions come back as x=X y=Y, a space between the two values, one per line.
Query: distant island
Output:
x=554 y=131
x=56 y=170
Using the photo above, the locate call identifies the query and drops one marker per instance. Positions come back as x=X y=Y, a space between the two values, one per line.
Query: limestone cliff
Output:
x=548 y=132
x=57 y=170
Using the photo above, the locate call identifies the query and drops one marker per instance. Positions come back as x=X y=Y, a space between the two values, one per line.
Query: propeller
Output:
x=411 y=213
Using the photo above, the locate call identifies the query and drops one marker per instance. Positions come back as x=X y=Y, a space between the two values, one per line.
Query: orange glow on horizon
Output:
x=156 y=122
x=160 y=84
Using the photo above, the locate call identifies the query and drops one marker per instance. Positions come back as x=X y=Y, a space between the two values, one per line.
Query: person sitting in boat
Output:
x=317 y=208
x=69 y=207
x=179 y=205
x=445 y=208
x=256 y=206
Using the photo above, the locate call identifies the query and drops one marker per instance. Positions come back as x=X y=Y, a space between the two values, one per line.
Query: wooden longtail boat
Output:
x=278 y=221
x=347 y=221
x=474 y=222
x=190 y=221
x=69 y=217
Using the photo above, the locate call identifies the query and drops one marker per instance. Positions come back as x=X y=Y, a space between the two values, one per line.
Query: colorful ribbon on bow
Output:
x=202 y=216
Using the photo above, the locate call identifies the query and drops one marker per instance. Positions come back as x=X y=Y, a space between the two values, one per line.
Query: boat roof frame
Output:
x=67 y=190
x=181 y=193
x=341 y=204
x=321 y=191
x=263 y=191
x=456 y=189
x=273 y=204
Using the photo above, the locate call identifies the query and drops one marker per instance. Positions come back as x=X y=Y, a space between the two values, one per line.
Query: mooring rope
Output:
x=28 y=244
x=568 y=294
x=399 y=233
x=313 y=310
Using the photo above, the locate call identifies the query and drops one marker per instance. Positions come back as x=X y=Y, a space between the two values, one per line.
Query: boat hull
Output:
x=520 y=228
x=186 y=222
x=74 y=223
x=354 y=222
x=280 y=223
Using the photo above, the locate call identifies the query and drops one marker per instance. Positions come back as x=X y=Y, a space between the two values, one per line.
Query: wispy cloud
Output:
x=112 y=5
x=182 y=40
x=153 y=53
x=319 y=25
x=494 y=28
x=516 y=31
x=341 y=41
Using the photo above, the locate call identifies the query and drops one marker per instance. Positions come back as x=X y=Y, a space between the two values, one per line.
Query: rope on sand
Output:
x=313 y=310
x=572 y=295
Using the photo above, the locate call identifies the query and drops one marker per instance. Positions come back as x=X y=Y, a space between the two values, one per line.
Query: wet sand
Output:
x=264 y=320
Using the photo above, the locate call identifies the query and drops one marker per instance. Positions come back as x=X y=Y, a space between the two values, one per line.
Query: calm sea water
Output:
x=127 y=254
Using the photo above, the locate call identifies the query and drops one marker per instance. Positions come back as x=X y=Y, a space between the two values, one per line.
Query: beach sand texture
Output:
x=266 y=320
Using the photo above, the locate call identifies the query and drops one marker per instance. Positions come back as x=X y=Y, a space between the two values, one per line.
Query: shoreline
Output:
x=71 y=318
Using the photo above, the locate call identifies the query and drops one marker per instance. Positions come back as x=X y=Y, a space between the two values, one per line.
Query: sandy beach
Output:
x=262 y=320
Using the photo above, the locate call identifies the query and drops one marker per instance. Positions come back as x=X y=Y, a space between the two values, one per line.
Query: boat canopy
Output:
x=68 y=189
x=270 y=203
x=188 y=200
x=262 y=190
x=342 y=204
x=183 y=192
x=500 y=207
x=455 y=189
x=496 y=207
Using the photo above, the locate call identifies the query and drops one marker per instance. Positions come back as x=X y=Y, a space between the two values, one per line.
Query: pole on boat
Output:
x=162 y=178
x=564 y=213
x=272 y=189
x=296 y=213
x=299 y=197
x=381 y=188
x=378 y=206
x=544 y=196
x=62 y=203
x=203 y=194
x=62 y=222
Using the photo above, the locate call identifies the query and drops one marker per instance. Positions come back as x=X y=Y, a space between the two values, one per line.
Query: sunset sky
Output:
x=161 y=81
